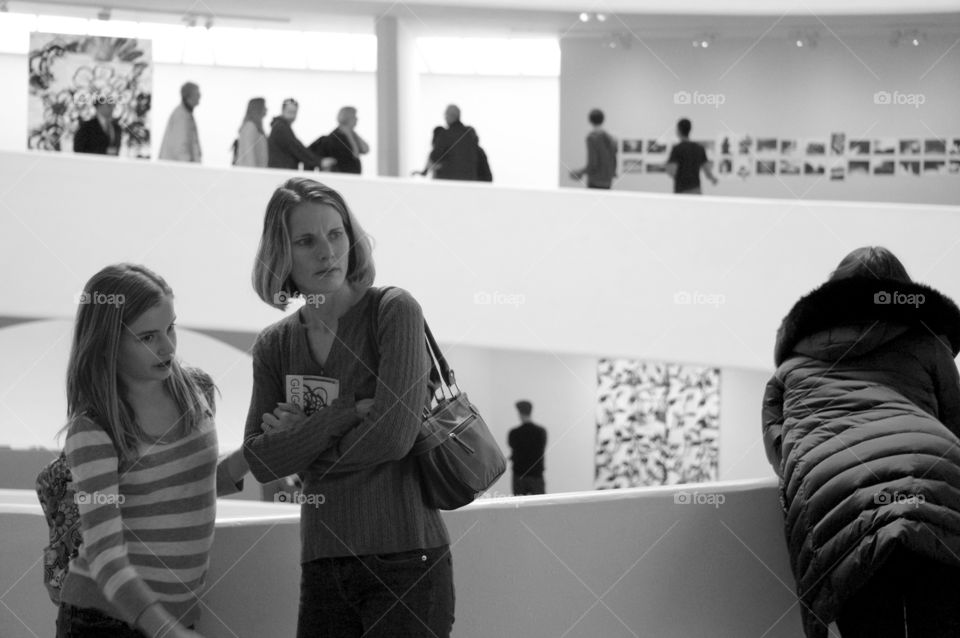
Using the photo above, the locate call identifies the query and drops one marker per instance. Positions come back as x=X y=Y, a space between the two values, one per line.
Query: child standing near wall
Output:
x=142 y=448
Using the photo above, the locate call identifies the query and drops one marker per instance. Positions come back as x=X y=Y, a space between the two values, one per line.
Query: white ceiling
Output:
x=648 y=18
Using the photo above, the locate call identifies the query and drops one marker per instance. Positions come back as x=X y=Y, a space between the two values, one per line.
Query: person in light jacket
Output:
x=251 y=144
x=181 y=142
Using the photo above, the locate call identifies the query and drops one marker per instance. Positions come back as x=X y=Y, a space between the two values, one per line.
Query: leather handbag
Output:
x=457 y=457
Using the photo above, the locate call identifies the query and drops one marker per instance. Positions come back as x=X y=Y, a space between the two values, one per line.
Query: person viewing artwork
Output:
x=285 y=150
x=181 y=141
x=142 y=450
x=250 y=148
x=686 y=161
x=342 y=407
x=861 y=422
x=101 y=134
x=455 y=150
x=343 y=145
x=528 y=444
x=601 y=168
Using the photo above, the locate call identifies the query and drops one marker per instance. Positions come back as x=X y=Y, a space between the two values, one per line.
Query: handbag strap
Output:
x=440 y=373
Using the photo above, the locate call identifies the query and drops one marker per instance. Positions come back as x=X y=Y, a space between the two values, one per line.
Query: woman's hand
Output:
x=285 y=416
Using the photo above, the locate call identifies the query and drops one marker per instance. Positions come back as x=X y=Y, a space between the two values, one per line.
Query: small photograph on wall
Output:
x=838 y=143
x=725 y=167
x=744 y=145
x=725 y=144
x=955 y=167
x=814 y=167
x=909 y=167
x=838 y=172
x=657 y=424
x=743 y=167
x=767 y=146
x=884 y=166
x=656 y=147
x=767 y=167
x=632 y=146
x=859 y=147
x=885 y=146
x=858 y=167
x=955 y=146
x=934 y=167
x=78 y=83
x=632 y=165
x=910 y=147
x=816 y=146
x=790 y=167
x=789 y=147
x=656 y=167
x=935 y=147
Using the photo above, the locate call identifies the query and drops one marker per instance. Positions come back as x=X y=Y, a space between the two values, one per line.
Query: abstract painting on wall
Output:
x=657 y=424
x=71 y=74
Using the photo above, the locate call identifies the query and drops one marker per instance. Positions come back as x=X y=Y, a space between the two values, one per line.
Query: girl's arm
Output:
x=94 y=466
x=390 y=427
x=282 y=452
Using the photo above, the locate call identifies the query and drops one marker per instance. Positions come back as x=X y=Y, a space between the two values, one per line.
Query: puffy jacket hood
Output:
x=852 y=317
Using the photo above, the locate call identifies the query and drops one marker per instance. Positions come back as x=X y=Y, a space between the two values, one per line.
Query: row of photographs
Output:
x=837 y=145
x=837 y=168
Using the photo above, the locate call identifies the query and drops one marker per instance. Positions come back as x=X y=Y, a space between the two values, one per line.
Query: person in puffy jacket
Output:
x=861 y=422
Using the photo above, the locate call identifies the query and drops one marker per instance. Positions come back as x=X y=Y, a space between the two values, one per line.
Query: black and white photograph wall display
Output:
x=656 y=167
x=632 y=146
x=814 y=166
x=72 y=76
x=790 y=166
x=725 y=144
x=858 y=167
x=789 y=147
x=745 y=145
x=934 y=167
x=954 y=167
x=743 y=167
x=815 y=146
x=838 y=143
x=725 y=167
x=766 y=167
x=883 y=166
x=884 y=146
x=955 y=146
x=908 y=167
x=767 y=146
x=656 y=147
x=657 y=424
x=910 y=147
x=838 y=172
x=934 y=147
x=859 y=147
x=633 y=165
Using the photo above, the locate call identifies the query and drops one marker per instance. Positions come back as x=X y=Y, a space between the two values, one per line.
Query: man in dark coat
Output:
x=861 y=423
x=528 y=444
x=284 y=150
x=455 y=153
x=100 y=134
x=343 y=145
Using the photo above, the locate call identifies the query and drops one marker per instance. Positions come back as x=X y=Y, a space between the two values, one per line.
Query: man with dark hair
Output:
x=601 y=165
x=528 y=443
x=686 y=160
x=284 y=150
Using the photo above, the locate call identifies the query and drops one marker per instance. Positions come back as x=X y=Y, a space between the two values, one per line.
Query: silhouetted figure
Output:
x=528 y=444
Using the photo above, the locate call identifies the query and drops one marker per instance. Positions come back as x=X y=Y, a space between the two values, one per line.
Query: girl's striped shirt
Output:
x=147 y=528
